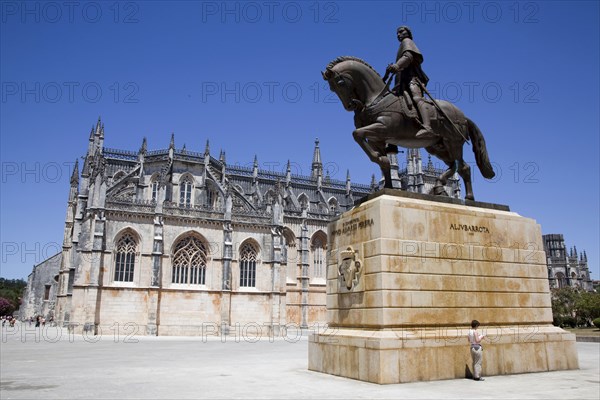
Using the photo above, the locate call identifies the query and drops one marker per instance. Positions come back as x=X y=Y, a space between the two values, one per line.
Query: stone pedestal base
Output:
x=407 y=275
x=410 y=355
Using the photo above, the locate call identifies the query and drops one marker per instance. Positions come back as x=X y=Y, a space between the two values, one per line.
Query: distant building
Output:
x=39 y=297
x=566 y=269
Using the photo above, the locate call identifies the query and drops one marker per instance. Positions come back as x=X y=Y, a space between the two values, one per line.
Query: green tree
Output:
x=587 y=307
x=574 y=307
x=563 y=306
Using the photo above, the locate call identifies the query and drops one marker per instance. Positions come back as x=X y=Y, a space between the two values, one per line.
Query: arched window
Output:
x=119 y=175
x=561 y=281
x=289 y=254
x=303 y=200
x=125 y=258
x=155 y=185
x=189 y=262
x=318 y=246
x=269 y=197
x=333 y=205
x=185 y=192
x=211 y=194
x=210 y=197
x=248 y=256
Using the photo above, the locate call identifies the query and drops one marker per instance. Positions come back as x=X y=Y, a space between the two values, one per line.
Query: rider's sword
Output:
x=436 y=105
x=441 y=111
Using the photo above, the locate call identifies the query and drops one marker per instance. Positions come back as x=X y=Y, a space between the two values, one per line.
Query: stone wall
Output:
x=40 y=295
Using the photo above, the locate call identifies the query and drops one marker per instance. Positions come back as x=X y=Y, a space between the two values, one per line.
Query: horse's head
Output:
x=343 y=85
x=353 y=80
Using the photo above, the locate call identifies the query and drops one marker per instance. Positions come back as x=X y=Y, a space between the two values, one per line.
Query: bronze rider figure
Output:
x=410 y=77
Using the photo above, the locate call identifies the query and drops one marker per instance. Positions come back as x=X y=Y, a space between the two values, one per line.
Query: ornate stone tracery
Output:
x=125 y=252
x=189 y=262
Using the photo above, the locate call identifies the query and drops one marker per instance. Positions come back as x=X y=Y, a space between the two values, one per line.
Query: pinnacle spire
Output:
x=75 y=174
x=98 y=125
x=288 y=174
x=373 y=183
x=255 y=170
x=317 y=165
x=172 y=143
x=348 y=183
x=144 y=147
x=207 y=148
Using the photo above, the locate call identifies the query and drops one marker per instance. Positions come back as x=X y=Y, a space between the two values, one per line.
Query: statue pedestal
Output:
x=406 y=276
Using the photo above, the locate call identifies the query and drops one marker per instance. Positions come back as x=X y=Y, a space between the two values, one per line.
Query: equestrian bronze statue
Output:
x=384 y=120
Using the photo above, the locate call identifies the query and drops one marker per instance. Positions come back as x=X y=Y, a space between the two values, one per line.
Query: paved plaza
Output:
x=49 y=363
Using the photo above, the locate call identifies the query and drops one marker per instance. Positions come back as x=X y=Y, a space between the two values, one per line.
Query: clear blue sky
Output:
x=246 y=75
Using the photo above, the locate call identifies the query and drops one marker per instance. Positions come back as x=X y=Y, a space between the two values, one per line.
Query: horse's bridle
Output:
x=340 y=79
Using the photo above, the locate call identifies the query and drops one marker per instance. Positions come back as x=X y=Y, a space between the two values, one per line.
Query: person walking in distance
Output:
x=475 y=339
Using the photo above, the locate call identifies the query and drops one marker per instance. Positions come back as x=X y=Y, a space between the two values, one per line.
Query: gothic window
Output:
x=269 y=197
x=318 y=245
x=248 y=256
x=333 y=205
x=303 y=200
x=185 y=192
x=210 y=197
x=561 y=282
x=211 y=194
x=47 y=292
x=284 y=250
x=155 y=185
x=189 y=262
x=289 y=254
x=71 y=281
x=125 y=258
x=119 y=175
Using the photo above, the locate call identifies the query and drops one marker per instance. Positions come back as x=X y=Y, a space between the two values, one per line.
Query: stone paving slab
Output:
x=48 y=363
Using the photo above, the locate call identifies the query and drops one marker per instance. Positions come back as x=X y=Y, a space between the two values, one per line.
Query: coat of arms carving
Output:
x=350 y=267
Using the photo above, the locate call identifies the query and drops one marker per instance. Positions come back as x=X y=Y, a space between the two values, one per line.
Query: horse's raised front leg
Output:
x=370 y=133
x=370 y=139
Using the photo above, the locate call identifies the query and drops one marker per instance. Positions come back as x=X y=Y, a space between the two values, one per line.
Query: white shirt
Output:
x=475 y=337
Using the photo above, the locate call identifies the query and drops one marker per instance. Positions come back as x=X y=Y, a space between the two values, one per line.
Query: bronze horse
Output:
x=384 y=121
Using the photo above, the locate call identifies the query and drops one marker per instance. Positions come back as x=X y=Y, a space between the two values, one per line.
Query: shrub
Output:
x=6 y=307
x=597 y=322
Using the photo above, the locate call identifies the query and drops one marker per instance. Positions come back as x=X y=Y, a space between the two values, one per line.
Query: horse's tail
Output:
x=481 y=154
